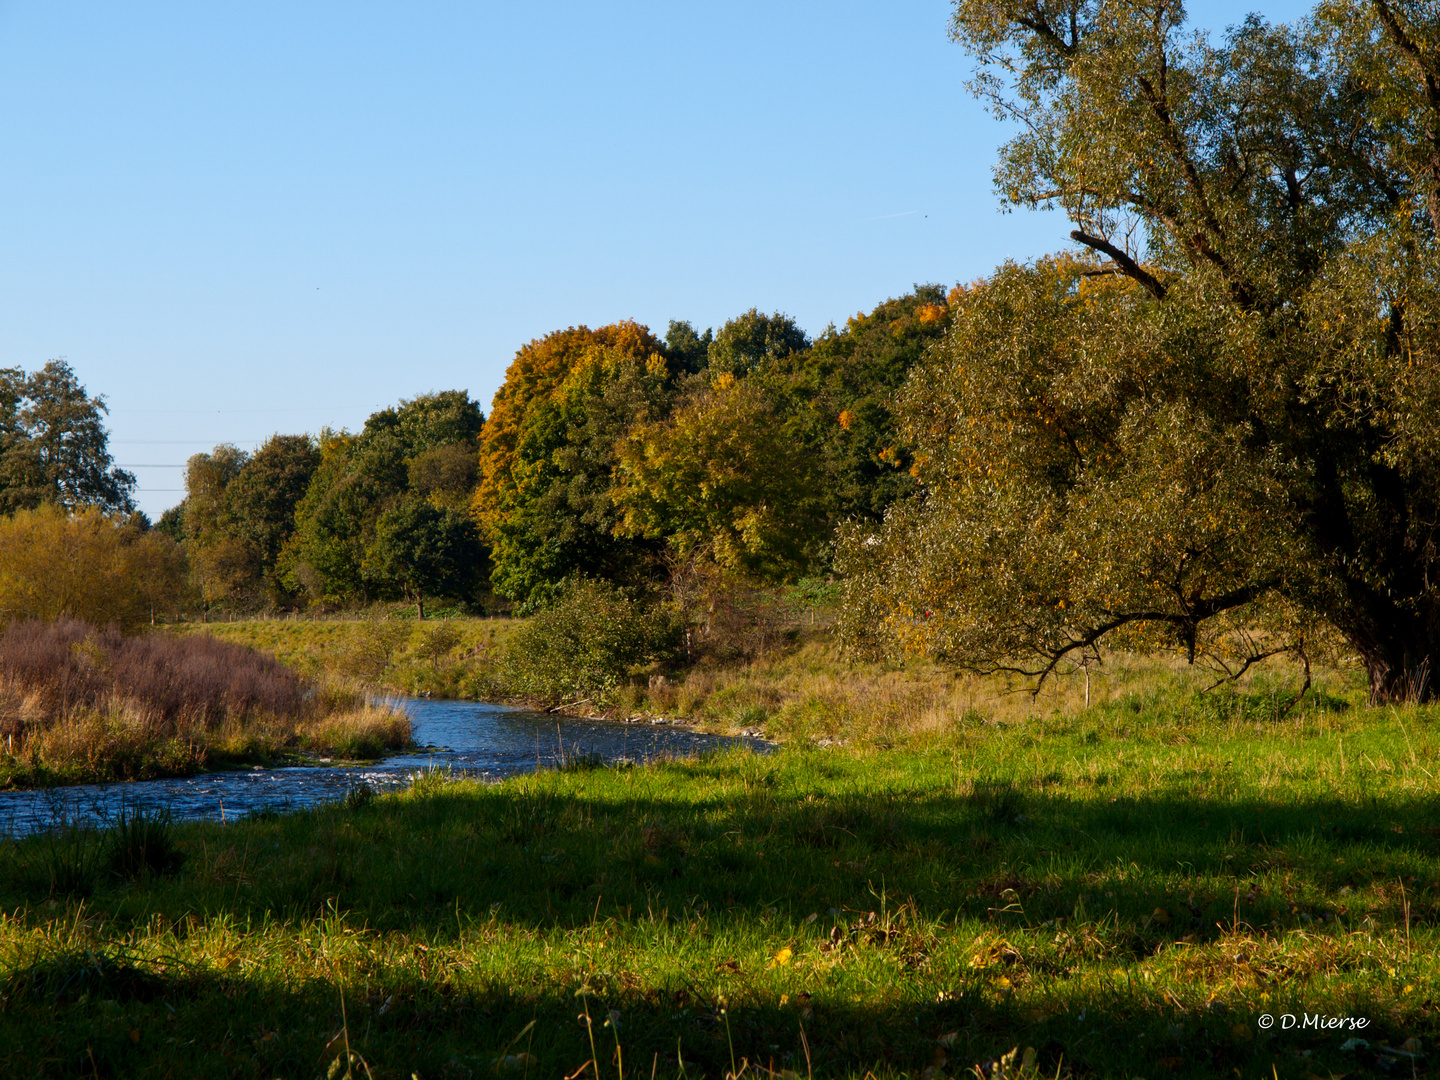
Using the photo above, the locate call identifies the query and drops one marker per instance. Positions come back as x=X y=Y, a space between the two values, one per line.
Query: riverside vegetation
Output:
x=78 y=704
x=1118 y=891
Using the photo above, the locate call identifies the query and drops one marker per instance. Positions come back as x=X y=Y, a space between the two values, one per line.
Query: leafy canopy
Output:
x=53 y=444
x=1226 y=415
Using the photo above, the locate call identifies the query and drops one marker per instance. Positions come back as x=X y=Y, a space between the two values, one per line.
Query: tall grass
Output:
x=81 y=703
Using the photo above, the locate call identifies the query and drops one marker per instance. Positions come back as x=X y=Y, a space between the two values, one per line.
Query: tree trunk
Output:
x=1401 y=653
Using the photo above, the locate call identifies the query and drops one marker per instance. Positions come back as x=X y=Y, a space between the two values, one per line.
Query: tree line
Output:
x=609 y=453
x=1213 y=425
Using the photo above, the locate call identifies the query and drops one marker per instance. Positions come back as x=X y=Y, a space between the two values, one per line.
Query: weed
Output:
x=141 y=842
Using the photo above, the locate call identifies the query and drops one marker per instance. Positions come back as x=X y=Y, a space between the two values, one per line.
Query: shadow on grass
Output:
x=695 y=873
x=98 y=1014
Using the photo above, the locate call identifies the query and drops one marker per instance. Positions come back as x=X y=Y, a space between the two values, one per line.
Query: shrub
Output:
x=87 y=565
x=586 y=643
x=50 y=668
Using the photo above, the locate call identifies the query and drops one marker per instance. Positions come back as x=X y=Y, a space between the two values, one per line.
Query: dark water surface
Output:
x=474 y=738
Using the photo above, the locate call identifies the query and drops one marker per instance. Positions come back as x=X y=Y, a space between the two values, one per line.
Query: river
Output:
x=467 y=737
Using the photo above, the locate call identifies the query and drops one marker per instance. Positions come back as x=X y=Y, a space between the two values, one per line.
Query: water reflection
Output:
x=474 y=738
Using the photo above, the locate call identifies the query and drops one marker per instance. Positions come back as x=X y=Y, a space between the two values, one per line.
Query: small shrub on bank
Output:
x=585 y=644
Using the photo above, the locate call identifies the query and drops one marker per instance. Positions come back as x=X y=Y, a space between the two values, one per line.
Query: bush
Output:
x=47 y=670
x=87 y=565
x=586 y=643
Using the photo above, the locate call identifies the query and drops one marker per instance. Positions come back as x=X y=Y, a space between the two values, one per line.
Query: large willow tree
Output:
x=1223 y=412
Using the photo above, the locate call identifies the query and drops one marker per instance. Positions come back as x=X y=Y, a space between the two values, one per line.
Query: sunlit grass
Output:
x=1124 y=890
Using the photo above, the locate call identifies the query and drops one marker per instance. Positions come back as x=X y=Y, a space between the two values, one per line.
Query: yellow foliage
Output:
x=86 y=565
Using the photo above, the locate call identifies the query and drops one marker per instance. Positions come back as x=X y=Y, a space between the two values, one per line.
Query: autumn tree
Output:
x=549 y=451
x=720 y=479
x=839 y=400
x=103 y=568
x=1228 y=413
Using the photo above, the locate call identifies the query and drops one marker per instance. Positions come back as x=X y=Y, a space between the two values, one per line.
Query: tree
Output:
x=752 y=340
x=225 y=569
x=447 y=418
x=357 y=479
x=87 y=565
x=422 y=550
x=548 y=456
x=53 y=444
x=839 y=400
x=720 y=480
x=1226 y=414
x=424 y=446
x=259 y=501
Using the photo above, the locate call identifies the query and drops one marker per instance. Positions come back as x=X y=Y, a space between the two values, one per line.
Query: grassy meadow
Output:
x=447 y=658
x=1122 y=891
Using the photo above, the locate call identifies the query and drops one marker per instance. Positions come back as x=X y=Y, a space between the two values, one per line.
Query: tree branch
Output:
x=1128 y=266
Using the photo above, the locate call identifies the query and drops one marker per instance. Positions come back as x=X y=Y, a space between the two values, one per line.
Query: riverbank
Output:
x=1127 y=894
x=802 y=689
x=80 y=705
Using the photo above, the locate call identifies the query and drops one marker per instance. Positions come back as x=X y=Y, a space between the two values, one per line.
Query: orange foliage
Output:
x=537 y=371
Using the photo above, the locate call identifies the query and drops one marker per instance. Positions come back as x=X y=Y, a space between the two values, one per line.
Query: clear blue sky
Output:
x=236 y=219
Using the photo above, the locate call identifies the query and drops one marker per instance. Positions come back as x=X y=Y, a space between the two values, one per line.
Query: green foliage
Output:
x=422 y=550
x=53 y=445
x=586 y=643
x=753 y=341
x=840 y=400
x=411 y=468
x=555 y=515
x=685 y=348
x=1225 y=437
x=720 y=480
x=260 y=500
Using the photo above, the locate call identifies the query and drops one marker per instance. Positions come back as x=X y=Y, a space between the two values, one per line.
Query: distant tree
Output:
x=549 y=451
x=447 y=418
x=421 y=550
x=358 y=478
x=423 y=447
x=172 y=522
x=720 y=480
x=258 y=506
x=840 y=395
x=445 y=475
x=536 y=371
x=53 y=444
x=685 y=348
x=87 y=565
x=225 y=570
x=752 y=340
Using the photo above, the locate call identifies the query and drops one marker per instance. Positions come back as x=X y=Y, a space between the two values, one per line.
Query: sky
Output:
x=237 y=219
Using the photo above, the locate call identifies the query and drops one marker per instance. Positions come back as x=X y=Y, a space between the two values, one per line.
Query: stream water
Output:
x=473 y=738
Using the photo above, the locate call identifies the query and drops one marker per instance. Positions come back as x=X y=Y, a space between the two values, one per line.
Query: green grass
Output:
x=1124 y=891
x=445 y=658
